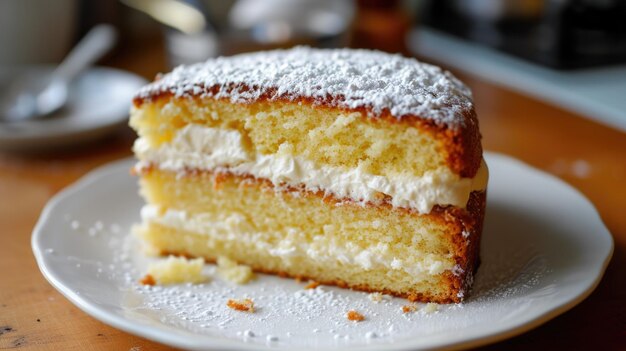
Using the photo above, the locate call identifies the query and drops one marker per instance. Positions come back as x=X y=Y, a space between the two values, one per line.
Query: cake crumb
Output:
x=312 y=285
x=375 y=297
x=232 y=271
x=148 y=279
x=409 y=308
x=245 y=305
x=431 y=307
x=176 y=270
x=354 y=316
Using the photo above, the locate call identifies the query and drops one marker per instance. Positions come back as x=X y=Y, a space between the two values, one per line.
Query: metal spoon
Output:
x=36 y=96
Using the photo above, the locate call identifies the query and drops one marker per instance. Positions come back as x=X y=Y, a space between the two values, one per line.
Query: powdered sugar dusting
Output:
x=345 y=78
x=289 y=315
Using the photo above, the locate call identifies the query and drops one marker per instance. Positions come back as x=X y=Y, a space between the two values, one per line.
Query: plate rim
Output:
x=155 y=334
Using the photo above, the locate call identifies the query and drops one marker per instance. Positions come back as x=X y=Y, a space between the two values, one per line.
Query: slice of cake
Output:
x=348 y=167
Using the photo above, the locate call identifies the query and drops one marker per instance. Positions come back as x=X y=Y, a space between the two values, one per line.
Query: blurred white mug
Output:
x=36 y=31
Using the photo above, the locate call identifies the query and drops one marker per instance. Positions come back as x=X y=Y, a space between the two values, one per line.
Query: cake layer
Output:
x=323 y=135
x=300 y=233
x=439 y=288
x=202 y=148
x=289 y=244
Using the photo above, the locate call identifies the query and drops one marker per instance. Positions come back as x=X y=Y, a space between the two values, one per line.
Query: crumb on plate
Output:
x=412 y=307
x=245 y=305
x=354 y=316
x=431 y=307
x=147 y=280
x=375 y=297
x=230 y=270
x=176 y=270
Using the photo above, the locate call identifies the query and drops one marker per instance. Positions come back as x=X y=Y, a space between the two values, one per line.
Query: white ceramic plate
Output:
x=99 y=101
x=544 y=250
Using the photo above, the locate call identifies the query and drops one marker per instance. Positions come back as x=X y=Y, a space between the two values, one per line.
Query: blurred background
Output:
x=548 y=78
x=571 y=53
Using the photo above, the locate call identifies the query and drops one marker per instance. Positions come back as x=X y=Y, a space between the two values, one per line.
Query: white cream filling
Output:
x=199 y=147
x=321 y=249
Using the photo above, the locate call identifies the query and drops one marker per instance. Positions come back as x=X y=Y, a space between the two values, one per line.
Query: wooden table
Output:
x=585 y=154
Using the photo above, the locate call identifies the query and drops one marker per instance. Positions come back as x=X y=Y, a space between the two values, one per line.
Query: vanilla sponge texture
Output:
x=326 y=136
x=305 y=235
x=386 y=198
